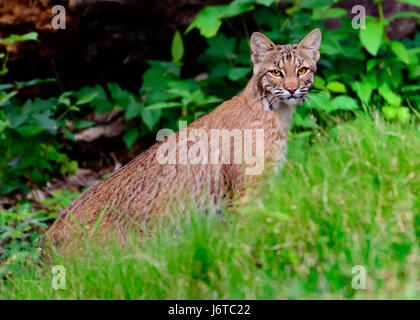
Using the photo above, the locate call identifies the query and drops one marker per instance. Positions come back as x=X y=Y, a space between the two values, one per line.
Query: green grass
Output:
x=350 y=198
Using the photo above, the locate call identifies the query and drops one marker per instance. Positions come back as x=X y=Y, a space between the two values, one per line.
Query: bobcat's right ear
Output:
x=260 y=47
x=311 y=43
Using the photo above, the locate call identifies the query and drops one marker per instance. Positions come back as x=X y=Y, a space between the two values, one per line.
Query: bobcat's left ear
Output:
x=311 y=43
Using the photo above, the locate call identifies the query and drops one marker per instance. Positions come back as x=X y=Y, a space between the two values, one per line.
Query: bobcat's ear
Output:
x=260 y=46
x=311 y=43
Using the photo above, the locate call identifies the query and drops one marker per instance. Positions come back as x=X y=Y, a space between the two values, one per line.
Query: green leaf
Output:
x=414 y=64
x=411 y=88
x=28 y=130
x=184 y=85
x=20 y=38
x=34 y=82
x=405 y=14
x=116 y=92
x=412 y=2
x=414 y=72
x=87 y=98
x=220 y=70
x=389 y=112
x=6 y=86
x=390 y=97
x=306 y=122
x=16 y=117
x=344 y=103
x=319 y=101
x=45 y=164
x=3 y=125
x=150 y=117
x=371 y=36
x=130 y=136
x=208 y=20
x=331 y=47
x=330 y=13
x=164 y=105
x=266 y=3
x=336 y=86
x=155 y=80
x=335 y=13
x=70 y=135
x=4 y=71
x=372 y=79
x=85 y=90
x=237 y=7
x=64 y=99
x=400 y=51
x=5 y=97
x=74 y=108
x=25 y=37
x=179 y=93
x=211 y=100
x=44 y=121
x=238 y=73
x=38 y=106
x=319 y=83
x=100 y=103
x=132 y=108
x=417 y=49
x=372 y=64
x=316 y=4
x=198 y=97
x=52 y=154
x=221 y=47
x=363 y=90
x=82 y=124
x=177 y=48
x=403 y=114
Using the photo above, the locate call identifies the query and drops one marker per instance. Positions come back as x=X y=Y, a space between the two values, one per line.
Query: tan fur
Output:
x=143 y=188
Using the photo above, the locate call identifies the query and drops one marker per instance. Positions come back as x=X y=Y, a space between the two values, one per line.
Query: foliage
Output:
x=59 y=200
x=30 y=150
x=21 y=229
x=22 y=226
x=350 y=197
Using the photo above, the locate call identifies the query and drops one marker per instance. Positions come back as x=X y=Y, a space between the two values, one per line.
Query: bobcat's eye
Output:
x=302 y=71
x=276 y=73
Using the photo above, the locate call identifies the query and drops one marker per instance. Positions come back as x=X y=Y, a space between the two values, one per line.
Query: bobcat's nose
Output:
x=291 y=89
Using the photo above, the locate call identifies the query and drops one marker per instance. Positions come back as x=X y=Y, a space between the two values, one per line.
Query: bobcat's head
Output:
x=284 y=74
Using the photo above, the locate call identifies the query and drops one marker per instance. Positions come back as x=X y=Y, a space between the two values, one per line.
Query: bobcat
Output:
x=282 y=77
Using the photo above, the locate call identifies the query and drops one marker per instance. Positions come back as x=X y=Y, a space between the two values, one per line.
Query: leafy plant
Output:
x=28 y=130
x=60 y=199
x=4 y=58
x=21 y=228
